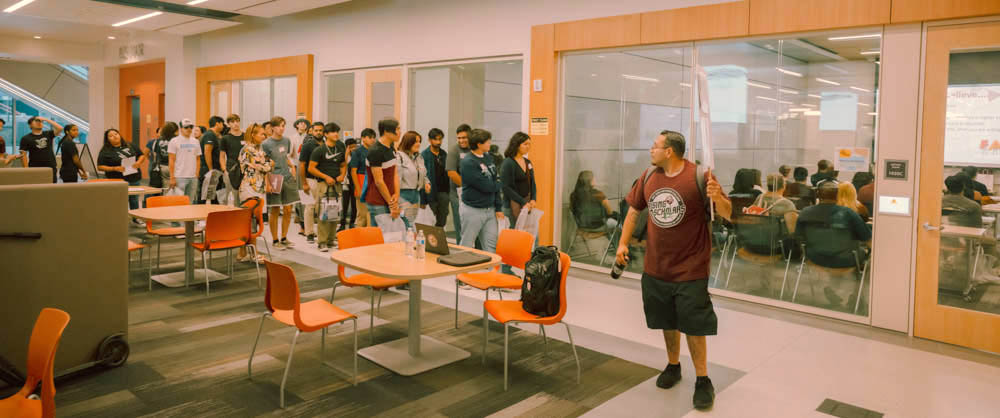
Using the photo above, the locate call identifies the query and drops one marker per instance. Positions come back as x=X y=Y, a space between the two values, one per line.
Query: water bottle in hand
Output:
x=420 y=245
x=617 y=269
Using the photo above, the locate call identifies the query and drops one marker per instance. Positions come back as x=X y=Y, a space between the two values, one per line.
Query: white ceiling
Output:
x=262 y=8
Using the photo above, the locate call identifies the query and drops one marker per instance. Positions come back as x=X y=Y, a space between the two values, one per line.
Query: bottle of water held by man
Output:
x=420 y=245
x=617 y=269
x=408 y=242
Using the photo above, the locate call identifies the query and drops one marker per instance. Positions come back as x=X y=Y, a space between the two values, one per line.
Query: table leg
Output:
x=415 y=299
x=188 y=252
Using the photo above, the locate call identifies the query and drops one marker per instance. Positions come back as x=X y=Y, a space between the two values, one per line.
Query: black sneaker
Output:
x=670 y=376
x=704 y=393
x=311 y=238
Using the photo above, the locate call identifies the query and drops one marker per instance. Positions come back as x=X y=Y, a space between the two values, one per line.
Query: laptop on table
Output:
x=436 y=242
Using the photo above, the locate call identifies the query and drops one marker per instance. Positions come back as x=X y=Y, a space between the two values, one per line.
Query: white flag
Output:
x=705 y=114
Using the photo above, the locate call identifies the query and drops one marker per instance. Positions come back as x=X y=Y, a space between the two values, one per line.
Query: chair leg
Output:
x=857 y=302
x=722 y=259
x=206 y=266
x=334 y=292
x=380 y=292
x=456 y=304
x=149 y=278
x=355 y=321
x=545 y=339
x=267 y=248
x=486 y=332
x=499 y=293
x=574 y=352
x=788 y=263
x=732 y=262
x=505 y=354
x=253 y=253
x=322 y=346
x=371 y=317
x=288 y=365
x=158 y=239
x=229 y=258
x=254 y=348
x=795 y=292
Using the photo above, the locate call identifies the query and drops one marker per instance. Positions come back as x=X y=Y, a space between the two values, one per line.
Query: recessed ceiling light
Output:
x=136 y=19
x=761 y=86
x=17 y=5
x=593 y=75
x=111 y=38
x=847 y=38
x=872 y=52
x=823 y=80
x=788 y=91
x=37 y=37
x=860 y=89
x=640 y=78
x=194 y=2
x=872 y=114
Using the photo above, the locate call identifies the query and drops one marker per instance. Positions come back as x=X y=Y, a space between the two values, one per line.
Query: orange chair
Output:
x=257 y=204
x=141 y=248
x=224 y=231
x=283 y=304
x=509 y=312
x=162 y=201
x=41 y=360
x=360 y=237
x=514 y=248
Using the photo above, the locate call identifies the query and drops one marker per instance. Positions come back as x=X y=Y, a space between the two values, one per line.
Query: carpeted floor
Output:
x=189 y=358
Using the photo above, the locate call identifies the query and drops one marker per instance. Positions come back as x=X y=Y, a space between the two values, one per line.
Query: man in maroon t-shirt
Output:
x=678 y=254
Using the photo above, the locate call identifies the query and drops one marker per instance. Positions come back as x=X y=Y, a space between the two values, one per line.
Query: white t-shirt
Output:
x=187 y=150
x=296 y=143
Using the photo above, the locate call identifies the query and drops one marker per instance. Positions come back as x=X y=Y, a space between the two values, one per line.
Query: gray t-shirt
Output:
x=277 y=150
x=776 y=206
x=455 y=154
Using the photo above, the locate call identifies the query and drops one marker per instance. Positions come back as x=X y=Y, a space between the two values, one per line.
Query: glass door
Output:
x=957 y=296
x=382 y=93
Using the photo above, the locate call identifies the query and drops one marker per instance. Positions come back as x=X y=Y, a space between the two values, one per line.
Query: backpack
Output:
x=540 y=289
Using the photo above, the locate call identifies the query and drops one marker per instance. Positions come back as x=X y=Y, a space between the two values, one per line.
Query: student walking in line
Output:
x=155 y=180
x=300 y=130
x=72 y=169
x=210 y=143
x=278 y=149
x=481 y=208
x=112 y=160
x=678 y=254
x=254 y=166
x=413 y=183
x=349 y=213
x=185 y=160
x=518 y=178
x=328 y=164
x=382 y=196
x=313 y=139
x=358 y=171
x=435 y=158
x=231 y=145
x=37 y=146
x=458 y=151
x=159 y=151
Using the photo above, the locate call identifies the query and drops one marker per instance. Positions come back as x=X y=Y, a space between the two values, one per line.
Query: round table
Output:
x=143 y=191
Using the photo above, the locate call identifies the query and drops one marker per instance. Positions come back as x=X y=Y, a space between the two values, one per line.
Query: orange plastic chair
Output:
x=509 y=312
x=258 y=215
x=157 y=202
x=224 y=231
x=41 y=360
x=283 y=304
x=514 y=248
x=141 y=248
x=360 y=237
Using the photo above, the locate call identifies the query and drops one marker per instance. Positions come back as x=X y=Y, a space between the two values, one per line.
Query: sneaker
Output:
x=670 y=376
x=704 y=393
x=311 y=238
x=278 y=245
x=323 y=248
x=287 y=243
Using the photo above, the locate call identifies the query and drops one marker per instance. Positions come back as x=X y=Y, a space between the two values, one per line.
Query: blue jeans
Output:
x=375 y=210
x=133 y=201
x=455 y=216
x=479 y=223
x=189 y=188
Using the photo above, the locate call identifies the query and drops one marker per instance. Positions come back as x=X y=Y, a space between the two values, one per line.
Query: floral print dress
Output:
x=255 y=166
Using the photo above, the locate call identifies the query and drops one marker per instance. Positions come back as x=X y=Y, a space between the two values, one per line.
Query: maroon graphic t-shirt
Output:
x=679 y=248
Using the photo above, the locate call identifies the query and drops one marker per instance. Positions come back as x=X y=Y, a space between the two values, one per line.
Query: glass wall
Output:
x=16 y=107
x=786 y=114
x=256 y=101
x=340 y=101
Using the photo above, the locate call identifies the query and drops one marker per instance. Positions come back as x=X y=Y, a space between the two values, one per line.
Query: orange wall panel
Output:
x=597 y=33
x=300 y=66
x=917 y=10
x=724 y=20
x=782 y=16
x=544 y=151
x=145 y=81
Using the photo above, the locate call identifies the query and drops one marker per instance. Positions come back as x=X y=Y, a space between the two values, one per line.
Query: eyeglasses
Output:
x=189 y=127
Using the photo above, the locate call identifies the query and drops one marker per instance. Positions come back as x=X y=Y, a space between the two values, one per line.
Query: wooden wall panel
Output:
x=300 y=66
x=917 y=10
x=603 y=32
x=724 y=20
x=782 y=16
x=544 y=150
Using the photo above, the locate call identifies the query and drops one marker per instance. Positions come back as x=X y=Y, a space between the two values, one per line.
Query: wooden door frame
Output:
x=380 y=76
x=931 y=320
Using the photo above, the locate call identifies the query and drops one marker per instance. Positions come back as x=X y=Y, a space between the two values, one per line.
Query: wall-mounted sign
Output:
x=852 y=159
x=896 y=169
x=537 y=85
x=131 y=51
x=539 y=126
x=894 y=205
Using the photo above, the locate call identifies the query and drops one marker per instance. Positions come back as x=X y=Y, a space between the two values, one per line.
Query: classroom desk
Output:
x=416 y=353
x=972 y=236
x=187 y=214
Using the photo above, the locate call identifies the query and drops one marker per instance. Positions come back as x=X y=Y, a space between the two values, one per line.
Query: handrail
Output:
x=41 y=103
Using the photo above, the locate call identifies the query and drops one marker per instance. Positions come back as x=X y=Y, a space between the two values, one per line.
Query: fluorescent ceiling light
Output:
x=688 y=85
x=835 y=68
x=752 y=84
x=640 y=78
x=872 y=52
x=784 y=102
x=799 y=109
x=789 y=91
x=872 y=114
x=864 y=104
x=823 y=80
x=194 y=2
x=767 y=98
x=136 y=19
x=789 y=72
x=816 y=96
x=17 y=5
x=812 y=113
x=860 y=89
x=37 y=37
x=846 y=38
x=111 y=38
x=808 y=105
x=593 y=74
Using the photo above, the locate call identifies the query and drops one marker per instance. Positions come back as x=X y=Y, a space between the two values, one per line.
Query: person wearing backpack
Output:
x=678 y=256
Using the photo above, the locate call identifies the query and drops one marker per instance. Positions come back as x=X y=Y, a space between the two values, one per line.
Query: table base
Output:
x=176 y=279
x=395 y=355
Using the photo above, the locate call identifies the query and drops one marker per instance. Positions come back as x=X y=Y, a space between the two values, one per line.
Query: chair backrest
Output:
x=760 y=234
x=42 y=355
x=226 y=226
x=514 y=247
x=822 y=238
x=161 y=201
x=258 y=214
x=564 y=263
x=282 y=291
x=357 y=237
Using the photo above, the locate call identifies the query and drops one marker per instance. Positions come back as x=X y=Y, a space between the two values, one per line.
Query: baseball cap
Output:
x=186 y=123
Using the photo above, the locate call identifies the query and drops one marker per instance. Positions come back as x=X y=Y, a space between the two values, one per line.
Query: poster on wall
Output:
x=852 y=159
x=972 y=126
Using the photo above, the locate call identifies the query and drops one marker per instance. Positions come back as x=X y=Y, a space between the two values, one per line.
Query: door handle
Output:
x=928 y=227
x=21 y=235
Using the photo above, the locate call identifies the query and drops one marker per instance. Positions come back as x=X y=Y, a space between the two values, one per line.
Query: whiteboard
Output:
x=972 y=126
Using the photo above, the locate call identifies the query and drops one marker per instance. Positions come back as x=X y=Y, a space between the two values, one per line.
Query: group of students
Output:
x=37 y=149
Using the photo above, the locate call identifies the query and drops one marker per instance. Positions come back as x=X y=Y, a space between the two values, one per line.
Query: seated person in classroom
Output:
x=774 y=202
x=832 y=216
x=956 y=209
x=744 y=183
x=799 y=190
x=590 y=207
x=824 y=171
x=864 y=183
x=848 y=198
x=971 y=172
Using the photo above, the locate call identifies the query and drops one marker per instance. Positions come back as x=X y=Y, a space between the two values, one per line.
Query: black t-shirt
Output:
x=440 y=174
x=160 y=152
x=209 y=138
x=3 y=146
x=40 y=149
x=231 y=145
x=309 y=145
x=328 y=159
x=68 y=150
x=113 y=156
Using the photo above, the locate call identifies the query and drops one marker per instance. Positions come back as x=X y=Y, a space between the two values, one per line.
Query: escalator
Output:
x=17 y=105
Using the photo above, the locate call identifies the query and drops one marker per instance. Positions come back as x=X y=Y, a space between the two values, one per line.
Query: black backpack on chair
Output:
x=540 y=290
